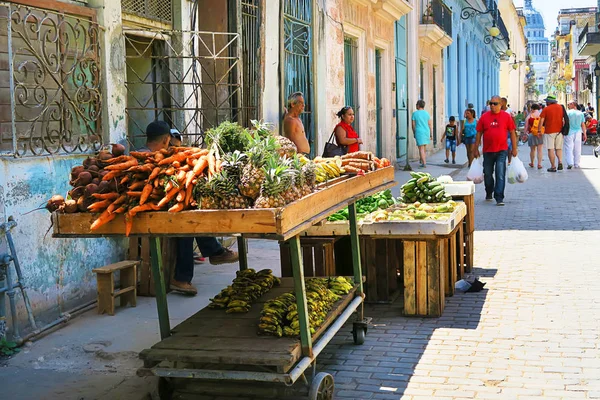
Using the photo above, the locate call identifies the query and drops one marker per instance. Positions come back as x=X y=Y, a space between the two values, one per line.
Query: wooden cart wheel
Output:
x=321 y=387
x=359 y=335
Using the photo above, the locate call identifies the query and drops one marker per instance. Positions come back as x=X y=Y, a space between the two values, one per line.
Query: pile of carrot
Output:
x=151 y=181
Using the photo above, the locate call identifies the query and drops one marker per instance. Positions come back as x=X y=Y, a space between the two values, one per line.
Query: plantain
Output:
x=217 y=306
x=238 y=303
x=231 y=310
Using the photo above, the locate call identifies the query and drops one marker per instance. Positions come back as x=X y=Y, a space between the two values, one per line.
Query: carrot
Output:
x=200 y=165
x=176 y=164
x=188 y=178
x=120 y=210
x=137 y=185
x=189 y=190
x=385 y=162
x=118 y=160
x=134 y=194
x=105 y=196
x=176 y=208
x=122 y=166
x=185 y=168
x=124 y=180
x=99 y=205
x=156 y=183
x=364 y=166
x=170 y=171
x=169 y=186
x=146 y=193
x=176 y=157
x=181 y=176
x=154 y=173
x=147 y=168
x=180 y=196
x=128 y=223
x=158 y=157
x=140 y=154
x=104 y=218
x=168 y=197
x=138 y=209
x=112 y=175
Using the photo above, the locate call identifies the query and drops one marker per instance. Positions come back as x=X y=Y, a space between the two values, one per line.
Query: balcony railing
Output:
x=583 y=33
x=156 y=10
x=438 y=13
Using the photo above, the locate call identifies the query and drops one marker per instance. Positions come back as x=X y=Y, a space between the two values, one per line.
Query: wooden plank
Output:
x=319 y=253
x=108 y=269
x=469 y=250
x=381 y=268
x=445 y=263
x=307 y=260
x=329 y=254
x=421 y=277
x=147 y=283
x=460 y=249
x=470 y=217
x=392 y=265
x=435 y=266
x=409 y=267
x=249 y=356
x=106 y=288
x=442 y=279
x=452 y=263
x=285 y=259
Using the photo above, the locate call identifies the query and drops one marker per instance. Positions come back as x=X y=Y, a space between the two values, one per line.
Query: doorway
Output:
x=378 y=105
x=434 y=106
x=402 y=120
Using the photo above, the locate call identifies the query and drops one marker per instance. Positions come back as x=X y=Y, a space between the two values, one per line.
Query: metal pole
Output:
x=159 y=288
x=11 y=79
x=300 y=293
x=355 y=248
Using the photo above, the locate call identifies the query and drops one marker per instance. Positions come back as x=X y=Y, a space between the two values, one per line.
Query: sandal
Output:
x=551 y=169
x=531 y=164
x=539 y=166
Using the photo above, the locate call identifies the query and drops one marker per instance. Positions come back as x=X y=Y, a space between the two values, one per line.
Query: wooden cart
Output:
x=429 y=252
x=465 y=191
x=284 y=224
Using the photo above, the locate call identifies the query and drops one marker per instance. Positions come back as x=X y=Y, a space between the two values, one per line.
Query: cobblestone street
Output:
x=531 y=333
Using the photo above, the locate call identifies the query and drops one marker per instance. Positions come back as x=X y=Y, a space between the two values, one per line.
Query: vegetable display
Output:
x=414 y=211
x=279 y=317
x=381 y=200
x=422 y=187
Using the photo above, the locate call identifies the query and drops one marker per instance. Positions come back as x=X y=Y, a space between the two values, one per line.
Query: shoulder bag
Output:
x=331 y=149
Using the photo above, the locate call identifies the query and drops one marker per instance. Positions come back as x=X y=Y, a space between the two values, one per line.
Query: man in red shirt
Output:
x=492 y=126
x=552 y=120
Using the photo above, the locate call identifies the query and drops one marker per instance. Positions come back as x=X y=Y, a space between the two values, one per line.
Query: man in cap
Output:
x=552 y=121
x=158 y=136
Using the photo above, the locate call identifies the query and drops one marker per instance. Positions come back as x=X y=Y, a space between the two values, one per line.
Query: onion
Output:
x=90 y=189
x=70 y=206
x=83 y=179
x=55 y=202
x=118 y=149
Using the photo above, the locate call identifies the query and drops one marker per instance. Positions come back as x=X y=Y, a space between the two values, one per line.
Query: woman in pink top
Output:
x=535 y=138
x=345 y=135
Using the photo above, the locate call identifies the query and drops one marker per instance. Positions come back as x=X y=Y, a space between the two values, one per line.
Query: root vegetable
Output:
x=364 y=155
x=122 y=166
x=105 y=196
x=117 y=149
x=75 y=171
x=134 y=194
x=70 y=206
x=83 y=179
x=146 y=193
x=180 y=196
x=93 y=168
x=55 y=202
x=104 y=218
x=99 y=205
x=137 y=185
x=90 y=190
x=96 y=181
x=104 y=156
x=154 y=173
x=168 y=197
x=176 y=208
x=77 y=192
x=118 y=160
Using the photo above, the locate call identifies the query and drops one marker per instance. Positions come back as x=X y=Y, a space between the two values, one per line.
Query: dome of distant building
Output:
x=537 y=42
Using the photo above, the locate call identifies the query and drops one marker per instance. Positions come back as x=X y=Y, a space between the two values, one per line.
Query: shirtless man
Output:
x=293 y=128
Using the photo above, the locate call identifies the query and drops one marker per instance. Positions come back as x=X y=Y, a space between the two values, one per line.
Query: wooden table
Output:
x=465 y=191
x=285 y=224
x=429 y=252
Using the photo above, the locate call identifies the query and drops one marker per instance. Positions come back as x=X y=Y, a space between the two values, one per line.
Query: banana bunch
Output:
x=248 y=286
x=327 y=170
x=424 y=188
x=279 y=317
x=340 y=285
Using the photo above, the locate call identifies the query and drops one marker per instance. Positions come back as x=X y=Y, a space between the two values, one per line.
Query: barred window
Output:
x=50 y=87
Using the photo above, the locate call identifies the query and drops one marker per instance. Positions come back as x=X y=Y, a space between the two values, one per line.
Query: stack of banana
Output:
x=279 y=317
x=328 y=168
x=248 y=286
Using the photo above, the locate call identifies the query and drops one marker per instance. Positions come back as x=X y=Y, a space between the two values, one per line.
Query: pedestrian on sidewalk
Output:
x=469 y=132
x=535 y=137
x=507 y=110
x=450 y=137
x=577 y=133
x=422 y=130
x=552 y=120
x=492 y=127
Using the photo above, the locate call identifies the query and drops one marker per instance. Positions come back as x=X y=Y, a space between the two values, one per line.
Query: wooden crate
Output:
x=424 y=277
x=468 y=231
x=317 y=255
x=139 y=249
x=469 y=250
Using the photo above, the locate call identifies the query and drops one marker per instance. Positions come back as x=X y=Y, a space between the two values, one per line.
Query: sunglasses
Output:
x=493 y=103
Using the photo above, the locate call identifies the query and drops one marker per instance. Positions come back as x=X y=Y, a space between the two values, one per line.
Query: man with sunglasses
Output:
x=492 y=127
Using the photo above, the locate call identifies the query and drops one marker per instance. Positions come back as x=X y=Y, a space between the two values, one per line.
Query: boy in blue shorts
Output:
x=450 y=137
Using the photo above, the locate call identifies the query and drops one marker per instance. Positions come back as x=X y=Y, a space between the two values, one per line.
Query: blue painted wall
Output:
x=57 y=272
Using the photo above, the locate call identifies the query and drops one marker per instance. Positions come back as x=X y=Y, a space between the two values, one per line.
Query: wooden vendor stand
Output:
x=464 y=191
x=214 y=346
x=429 y=255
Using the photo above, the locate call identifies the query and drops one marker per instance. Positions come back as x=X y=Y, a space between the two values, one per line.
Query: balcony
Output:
x=436 y=24
x=589 y=41
x=392 y=10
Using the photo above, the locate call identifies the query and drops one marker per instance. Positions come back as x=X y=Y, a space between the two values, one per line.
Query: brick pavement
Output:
x=533 y=333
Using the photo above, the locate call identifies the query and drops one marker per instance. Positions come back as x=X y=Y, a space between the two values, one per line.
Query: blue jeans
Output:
x=495 y=162
x=184 y=267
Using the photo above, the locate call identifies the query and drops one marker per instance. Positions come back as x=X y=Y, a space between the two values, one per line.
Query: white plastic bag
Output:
x=516 y=171
x=475 y=173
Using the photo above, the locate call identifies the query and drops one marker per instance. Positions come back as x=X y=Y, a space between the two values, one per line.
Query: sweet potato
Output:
x=363 y=155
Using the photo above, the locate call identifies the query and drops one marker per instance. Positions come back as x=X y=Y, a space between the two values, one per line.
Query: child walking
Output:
x=450 y=137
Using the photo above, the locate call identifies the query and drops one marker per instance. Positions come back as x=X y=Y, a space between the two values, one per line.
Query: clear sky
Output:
x=549 y=9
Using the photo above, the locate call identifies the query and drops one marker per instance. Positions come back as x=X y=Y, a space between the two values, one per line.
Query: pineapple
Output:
x=225 y=189
x=204 y=195
x=273 y=187
x=287 y=148
x=310 y=177
x=253 y=174
x=294 y=192
x=233 y=163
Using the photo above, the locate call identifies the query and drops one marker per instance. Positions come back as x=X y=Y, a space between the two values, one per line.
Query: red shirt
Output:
x=494 y=128
x=350 y=134
x=592 y=126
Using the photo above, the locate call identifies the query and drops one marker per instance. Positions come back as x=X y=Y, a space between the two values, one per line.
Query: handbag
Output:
x=331 y=149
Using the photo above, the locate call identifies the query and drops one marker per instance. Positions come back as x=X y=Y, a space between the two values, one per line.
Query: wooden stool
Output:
x=106 y=285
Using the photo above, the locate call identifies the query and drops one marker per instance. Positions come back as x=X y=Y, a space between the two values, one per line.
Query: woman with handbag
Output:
x=345 y=135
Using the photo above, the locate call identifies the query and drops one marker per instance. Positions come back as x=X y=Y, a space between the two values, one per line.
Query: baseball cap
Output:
x=550 y=99
x=157 y=128
x=175 y=134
